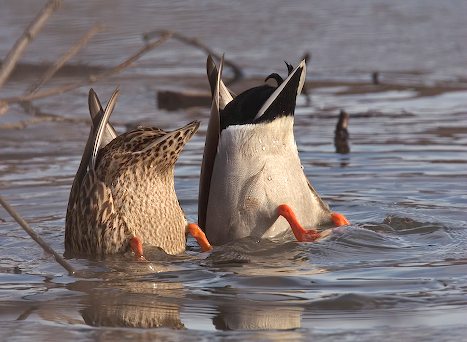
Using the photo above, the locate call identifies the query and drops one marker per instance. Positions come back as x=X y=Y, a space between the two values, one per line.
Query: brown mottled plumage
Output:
x=127 y=189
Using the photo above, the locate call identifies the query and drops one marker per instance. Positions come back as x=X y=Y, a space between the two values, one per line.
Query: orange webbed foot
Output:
x=137 y=247
x=200 y=237
x=301 y=234
x=339 y=220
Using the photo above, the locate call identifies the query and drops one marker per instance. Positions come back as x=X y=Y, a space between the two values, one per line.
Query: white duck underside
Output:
x=257 y=168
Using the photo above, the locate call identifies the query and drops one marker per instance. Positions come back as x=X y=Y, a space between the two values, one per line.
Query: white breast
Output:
x=257 y=168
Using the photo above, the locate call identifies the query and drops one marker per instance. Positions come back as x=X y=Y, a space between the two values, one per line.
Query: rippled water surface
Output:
x=398 y=272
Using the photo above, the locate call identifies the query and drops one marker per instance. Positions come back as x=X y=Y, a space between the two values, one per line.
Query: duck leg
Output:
x=195 y=231
x=307 y=235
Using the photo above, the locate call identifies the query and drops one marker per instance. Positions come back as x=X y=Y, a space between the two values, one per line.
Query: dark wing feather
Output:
x=212 y=140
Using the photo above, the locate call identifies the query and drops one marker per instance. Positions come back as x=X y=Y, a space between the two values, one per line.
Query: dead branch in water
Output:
x=32 y=121
x=36 y=237
x=174 y=100
x=38 y=116
x=341 y=134
x=238 y=73
x=148 y=47
x=50 y=72
x=28 y=36
x=90 y=79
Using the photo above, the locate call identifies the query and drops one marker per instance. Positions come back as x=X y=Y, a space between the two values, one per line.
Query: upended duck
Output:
x=123 y=194
x=252 y=181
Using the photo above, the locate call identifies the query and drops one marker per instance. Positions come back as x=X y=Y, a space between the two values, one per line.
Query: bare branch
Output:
x=92 y=78
x=238 y=73
x=36 y=237
x=38 y=116
x=50 y=72
x=28 y=36
x=22 y=124
x=129 y=61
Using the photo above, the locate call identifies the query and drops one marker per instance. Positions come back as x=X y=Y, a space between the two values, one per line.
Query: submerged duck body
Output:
x=252 y=180
x=124 y=194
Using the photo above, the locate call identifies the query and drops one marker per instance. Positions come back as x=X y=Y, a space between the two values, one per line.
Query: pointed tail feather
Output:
x=96 y=110
x=292 y=84
x=101 y=127
x=225 y=95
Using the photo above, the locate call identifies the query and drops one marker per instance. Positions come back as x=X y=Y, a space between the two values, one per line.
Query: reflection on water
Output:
x=399 y=272
x=236 y=317
x=143 y=308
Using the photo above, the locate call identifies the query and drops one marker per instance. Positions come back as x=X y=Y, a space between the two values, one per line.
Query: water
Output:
x=398 y=272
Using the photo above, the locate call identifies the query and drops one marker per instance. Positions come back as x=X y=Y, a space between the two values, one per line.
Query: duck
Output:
x=123 y=194
x=252 y=182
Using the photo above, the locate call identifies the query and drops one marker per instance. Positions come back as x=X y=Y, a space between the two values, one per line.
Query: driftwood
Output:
x=341 y=134
x=375 y=77
x=28 y=36
x=174 y=100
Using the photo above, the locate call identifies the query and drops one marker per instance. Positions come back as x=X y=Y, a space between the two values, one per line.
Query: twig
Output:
x=26 y=313
x=50 y=72
x=36 y=237
x=25 y=123
x=238 y=73
x=148 y=47
x=28 y=36
x=38 y=117
x=92 y=78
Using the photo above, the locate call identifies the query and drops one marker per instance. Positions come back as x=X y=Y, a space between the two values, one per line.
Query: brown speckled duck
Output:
x=123 y=194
